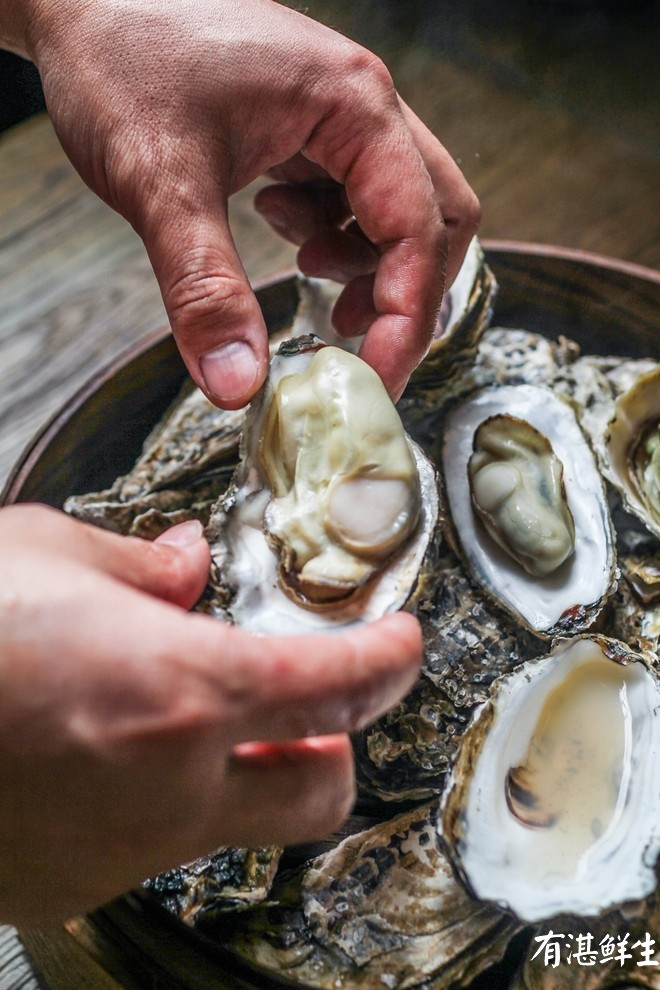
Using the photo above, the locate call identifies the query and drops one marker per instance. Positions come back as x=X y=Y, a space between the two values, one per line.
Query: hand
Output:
x=167 y=107
x=135 y=736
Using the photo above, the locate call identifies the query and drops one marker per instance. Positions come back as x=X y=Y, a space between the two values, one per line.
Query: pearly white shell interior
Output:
x=593 y=854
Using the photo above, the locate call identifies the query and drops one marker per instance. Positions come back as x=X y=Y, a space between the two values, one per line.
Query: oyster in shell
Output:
x=554 y=806
x=333 y=508
x=537 y=504
x=631 y=455
x=382 y=909
x=517 y=491
x=618 y=404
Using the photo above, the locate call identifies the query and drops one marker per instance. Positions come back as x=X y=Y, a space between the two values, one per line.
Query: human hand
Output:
x=167 y=107
x=135 y=736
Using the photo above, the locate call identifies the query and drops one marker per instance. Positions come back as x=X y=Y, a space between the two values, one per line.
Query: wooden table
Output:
x=551 y=113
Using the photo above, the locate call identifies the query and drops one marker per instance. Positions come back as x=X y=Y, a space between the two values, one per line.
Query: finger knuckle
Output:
x=199 y=293
x=368 y=81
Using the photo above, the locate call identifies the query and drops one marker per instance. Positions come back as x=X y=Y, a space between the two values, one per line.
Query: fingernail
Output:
x=229 y=371
x=182 y=535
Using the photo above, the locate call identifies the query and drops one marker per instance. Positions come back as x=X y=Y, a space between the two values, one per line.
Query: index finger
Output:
x=274 y=688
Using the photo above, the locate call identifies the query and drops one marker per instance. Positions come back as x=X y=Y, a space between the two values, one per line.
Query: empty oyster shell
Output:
x=569 y=598
x=554 y=806
x=333 y=507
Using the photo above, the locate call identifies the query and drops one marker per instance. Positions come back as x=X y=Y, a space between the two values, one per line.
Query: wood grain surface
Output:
x=550 y=109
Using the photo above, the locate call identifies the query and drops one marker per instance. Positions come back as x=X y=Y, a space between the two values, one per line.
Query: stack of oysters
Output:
x=512 y=503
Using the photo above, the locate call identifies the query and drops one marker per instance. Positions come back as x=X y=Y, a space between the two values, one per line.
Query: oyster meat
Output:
x=554 y=806
x=548 y=501
x=333 y=508
x=517 y=490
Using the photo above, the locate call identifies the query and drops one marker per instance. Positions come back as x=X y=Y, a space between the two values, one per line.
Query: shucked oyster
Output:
x=554 y=806
x=333 y=507
x=517 y=490
x=518 y=452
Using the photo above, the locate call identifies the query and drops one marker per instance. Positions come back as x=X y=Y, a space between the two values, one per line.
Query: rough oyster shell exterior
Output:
x=382 y=909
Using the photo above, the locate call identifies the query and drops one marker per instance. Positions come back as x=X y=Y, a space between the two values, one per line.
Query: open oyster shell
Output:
x=333 y=508
x=631 y=454
x=554 y=805
x=570 y=597
x=618 y=404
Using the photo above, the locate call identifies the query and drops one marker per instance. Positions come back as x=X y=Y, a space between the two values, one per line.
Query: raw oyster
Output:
x=569 y=598
x=554 y=806
x=631 y=456
x=382 y=909
x=618 y=405
x=517 y=491
x=333 y=508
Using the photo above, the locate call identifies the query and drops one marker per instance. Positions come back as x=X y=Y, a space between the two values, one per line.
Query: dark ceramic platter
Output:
x=608 y=307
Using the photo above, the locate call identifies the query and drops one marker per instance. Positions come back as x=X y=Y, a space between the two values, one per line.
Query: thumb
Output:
x=214 y=315
x=173 y=567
